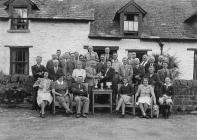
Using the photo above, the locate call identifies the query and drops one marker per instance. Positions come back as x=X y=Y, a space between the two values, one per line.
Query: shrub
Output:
x=173 y=64
x=15 y=88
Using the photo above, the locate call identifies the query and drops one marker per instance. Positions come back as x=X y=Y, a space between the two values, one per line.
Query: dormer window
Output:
x=19 y=19
x=130 y=18
x=131 y=23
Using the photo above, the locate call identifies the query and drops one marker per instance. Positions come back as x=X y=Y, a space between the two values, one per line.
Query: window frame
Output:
x=11 y=9
x=131 y=31
x=130 y=34
x=25 y=63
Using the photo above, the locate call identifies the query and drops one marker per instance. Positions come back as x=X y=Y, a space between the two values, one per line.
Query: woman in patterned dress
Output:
x=44 y=97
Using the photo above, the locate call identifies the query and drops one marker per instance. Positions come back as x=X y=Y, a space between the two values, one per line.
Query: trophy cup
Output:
x=101 y=85
x=96 y=83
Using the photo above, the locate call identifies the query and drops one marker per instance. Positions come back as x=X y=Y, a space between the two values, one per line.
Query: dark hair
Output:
x=59 y=75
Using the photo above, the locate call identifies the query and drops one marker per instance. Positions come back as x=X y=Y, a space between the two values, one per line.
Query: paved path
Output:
x=21 y=124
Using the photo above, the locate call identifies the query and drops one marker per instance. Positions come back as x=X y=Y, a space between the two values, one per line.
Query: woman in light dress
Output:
x=146 y=94
x=44 y=97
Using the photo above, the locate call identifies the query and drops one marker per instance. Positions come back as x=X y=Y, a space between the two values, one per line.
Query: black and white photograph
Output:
x=98 y=69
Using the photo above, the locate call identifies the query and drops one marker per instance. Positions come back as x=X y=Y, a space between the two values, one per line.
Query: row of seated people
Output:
x=60 y=89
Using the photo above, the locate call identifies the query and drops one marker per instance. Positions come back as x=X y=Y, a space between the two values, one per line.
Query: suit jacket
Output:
x=63 y=64
x=169 y=91
x=144 y=63
x=79 y=90
x=158 y=67
x=93 y=56
x=126 y=72
x=36 y=70
x=70 y=66
x=147 y=65
x=153 y=80
x=163 y=75
x=49 y=64
x=100 y=67
x=90 y=72
x=138 y=71
x=108 y=75
x=108 y=58
x=52 y=75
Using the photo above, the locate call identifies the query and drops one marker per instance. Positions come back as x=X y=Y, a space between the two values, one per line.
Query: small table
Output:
x=101 y=92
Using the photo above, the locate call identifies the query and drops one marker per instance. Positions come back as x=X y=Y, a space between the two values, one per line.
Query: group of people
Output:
x=65 y=74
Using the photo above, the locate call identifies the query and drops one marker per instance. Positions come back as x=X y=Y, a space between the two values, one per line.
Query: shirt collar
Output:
x=126 y=84
x=167 y=85
x=60 y=83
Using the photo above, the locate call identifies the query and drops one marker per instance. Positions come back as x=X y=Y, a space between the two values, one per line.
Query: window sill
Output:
x=18 y=31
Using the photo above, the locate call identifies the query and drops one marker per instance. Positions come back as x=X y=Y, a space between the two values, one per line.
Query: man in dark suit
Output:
x=50 y=62
x=37 y=72
x=55 y=70
x=138 y=72
x=38 y=69
x=108 y=74
x=165 y=72
x=81 y=98
x=70 y=64
x=101 y=66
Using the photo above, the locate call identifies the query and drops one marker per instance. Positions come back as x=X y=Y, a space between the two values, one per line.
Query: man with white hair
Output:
x=79 y=72
x=126 y=71
x=91 y=55
x=107 y=55
x=131 y=57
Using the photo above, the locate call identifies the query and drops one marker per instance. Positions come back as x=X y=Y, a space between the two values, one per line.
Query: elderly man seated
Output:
x=81 y=97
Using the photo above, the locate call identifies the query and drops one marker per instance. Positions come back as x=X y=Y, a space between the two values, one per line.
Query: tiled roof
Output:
x=164 y=18
x=57 y=9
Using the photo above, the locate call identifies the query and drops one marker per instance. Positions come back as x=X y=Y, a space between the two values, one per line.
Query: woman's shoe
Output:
x=147 y=117
x=78 y=115
x=42 y=115
x=122 y=116
x=84 y=115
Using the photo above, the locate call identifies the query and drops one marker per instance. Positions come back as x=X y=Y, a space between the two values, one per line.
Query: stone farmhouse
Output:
x=39 y=27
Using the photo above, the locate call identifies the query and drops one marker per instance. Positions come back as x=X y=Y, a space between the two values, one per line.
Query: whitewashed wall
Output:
x=47 y=37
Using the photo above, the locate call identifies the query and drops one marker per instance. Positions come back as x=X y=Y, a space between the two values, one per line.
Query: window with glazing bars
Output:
x=19 y=60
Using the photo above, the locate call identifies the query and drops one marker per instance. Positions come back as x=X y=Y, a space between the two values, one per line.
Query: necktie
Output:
x=106 y=72
x=124 y=70
x=165 y=73
x=79 y=86
x=55 y=69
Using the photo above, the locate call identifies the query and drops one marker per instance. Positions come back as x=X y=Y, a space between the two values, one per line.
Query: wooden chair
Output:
x=56 y=104
x=132 y=105
x=73 y=103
